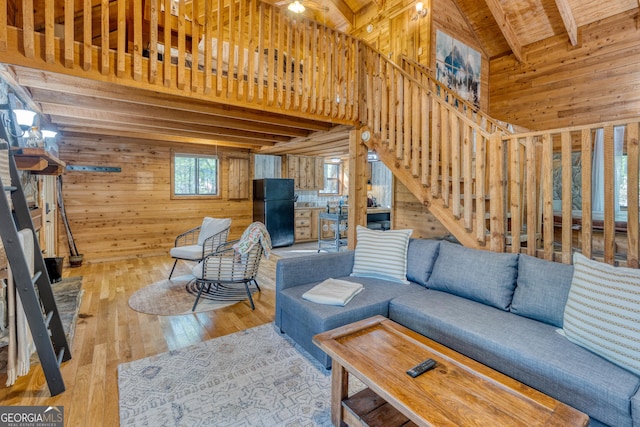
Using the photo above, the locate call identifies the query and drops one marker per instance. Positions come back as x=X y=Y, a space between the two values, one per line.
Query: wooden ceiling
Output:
x=77 y=106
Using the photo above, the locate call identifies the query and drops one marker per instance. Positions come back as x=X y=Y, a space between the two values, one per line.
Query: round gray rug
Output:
x=171 y=298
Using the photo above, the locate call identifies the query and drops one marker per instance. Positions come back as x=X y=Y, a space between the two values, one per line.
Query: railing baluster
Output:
x=455 y=164
x=609 y=196
x=233 y=60
x=195 y=52
x=633 y=164
x=424 y=126
x=86 y=36
x=28 y=29
x=566 y=196
x=415 y=130
x=166 y=57
x=251 y=75
x=137 y=40
x=153 y=41
x=515 y=194
x=3 y=26
x=531 y=181
x=270 y=58
x=445 y=153
x=480 y=179
x=49 y=47
x=104 y=37
x=220 y=46
x=242 y=11
x=467 y=168
x=435 y=147
x=586 y=156
x=546 y=186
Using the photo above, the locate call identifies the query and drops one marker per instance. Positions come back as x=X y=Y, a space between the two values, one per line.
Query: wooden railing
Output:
x=532 y=160
x=425 y=75
x=490 y=188
x=255 y=54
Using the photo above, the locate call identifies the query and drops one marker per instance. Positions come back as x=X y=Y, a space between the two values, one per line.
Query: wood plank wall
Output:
x=120 y=215
x=394 y=33
x=559 y=85
x=409 y=213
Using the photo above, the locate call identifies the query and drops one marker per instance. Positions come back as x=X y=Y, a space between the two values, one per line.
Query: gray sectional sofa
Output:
x=503 y=310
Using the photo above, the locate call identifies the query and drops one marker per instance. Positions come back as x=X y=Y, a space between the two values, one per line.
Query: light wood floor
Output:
x=109 y=333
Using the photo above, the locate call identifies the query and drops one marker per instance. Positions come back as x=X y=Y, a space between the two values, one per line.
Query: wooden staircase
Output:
x=490 y=187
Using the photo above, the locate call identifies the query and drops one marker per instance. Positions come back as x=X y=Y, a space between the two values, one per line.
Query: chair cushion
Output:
x=481 y=276
x=603 y=311
x=381 y=254
x=542 y=289
x=191 y=252
x=212 y=226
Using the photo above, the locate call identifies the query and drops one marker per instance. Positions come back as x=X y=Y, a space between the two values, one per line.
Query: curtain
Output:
x=21 y=345
x=597 y=180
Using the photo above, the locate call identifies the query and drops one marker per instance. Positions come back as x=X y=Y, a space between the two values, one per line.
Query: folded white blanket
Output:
x=333 y=292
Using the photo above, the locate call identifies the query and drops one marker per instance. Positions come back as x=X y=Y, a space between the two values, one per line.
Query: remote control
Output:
x=421 y=368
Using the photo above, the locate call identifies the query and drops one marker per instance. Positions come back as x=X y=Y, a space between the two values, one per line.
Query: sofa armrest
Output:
x=291 y=272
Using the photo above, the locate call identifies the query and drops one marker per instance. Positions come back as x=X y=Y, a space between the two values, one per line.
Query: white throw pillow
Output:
x=603 y=311
x=211 y=226
x=381 y=254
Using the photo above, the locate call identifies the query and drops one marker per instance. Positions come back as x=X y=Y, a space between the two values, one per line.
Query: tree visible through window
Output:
x=195 y=175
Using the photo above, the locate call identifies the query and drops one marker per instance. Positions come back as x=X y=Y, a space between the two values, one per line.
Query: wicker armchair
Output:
x=219 y=271
x=195 y=244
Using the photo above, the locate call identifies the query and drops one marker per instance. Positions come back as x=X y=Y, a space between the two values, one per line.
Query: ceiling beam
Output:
x=58 y=103
x=74 y=123
x=69 y=84
x=150 y=136
x=505 y=27
x=344 y=10
x=569 y=21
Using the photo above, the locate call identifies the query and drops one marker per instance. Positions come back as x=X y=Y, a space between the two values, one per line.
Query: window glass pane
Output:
x=184 y=175
x=331 y=178
x=207 y=174
x=195 y=175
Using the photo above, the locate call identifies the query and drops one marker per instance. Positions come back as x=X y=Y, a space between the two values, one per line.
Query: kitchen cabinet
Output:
x=303 y=225
x=307 y=224
x=307 y=172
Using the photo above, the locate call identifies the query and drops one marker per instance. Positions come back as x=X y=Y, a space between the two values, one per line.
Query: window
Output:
x=195 y=175
x=331 y=178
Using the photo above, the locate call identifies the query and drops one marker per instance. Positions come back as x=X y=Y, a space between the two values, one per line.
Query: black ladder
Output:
x=35 y=292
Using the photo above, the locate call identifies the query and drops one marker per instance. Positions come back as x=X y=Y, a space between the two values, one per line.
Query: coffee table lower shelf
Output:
x=367 y=409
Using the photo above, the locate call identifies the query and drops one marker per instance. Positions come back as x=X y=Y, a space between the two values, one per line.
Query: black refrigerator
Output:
x=273 y=202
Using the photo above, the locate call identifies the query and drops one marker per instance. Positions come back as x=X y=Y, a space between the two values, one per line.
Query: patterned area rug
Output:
x=173 y=297
x=68 y=294
x=256 y=377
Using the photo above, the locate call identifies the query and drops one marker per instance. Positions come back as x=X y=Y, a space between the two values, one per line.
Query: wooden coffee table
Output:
x=457 y=392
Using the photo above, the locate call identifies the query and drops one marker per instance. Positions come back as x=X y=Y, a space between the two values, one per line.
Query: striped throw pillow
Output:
x=381 y=254
x=603 y=311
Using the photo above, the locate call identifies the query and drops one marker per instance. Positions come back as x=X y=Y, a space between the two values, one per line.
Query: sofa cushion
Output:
x=603 y=311
x=524 y=349
x=482 y=276
x=542 y=289
x=421 y=256
x=301 y=319
x=381 y=254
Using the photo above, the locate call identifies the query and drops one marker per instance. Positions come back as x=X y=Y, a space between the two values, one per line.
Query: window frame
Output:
x=326 y=179
x=196 y=155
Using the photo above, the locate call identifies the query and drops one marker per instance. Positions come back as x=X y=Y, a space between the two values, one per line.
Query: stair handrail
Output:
x=428 y=73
